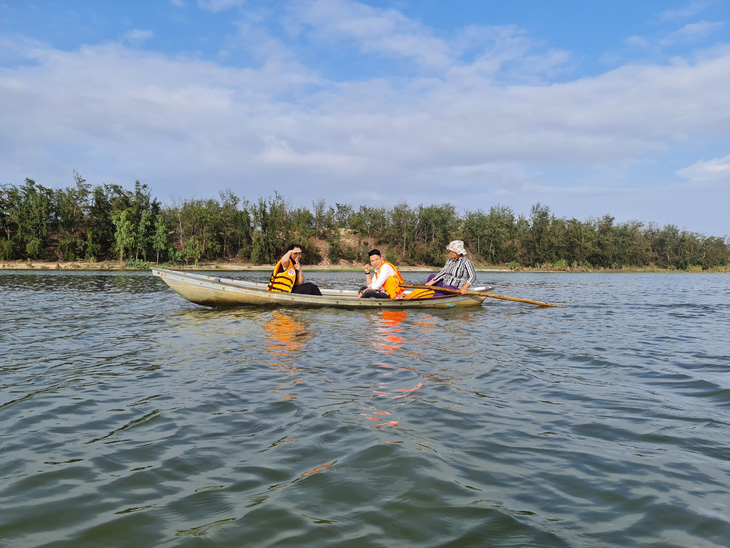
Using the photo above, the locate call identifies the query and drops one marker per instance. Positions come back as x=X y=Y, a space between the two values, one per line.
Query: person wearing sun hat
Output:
x=457 y=273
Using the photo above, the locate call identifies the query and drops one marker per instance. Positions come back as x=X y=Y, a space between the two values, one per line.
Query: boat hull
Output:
x=214 y=291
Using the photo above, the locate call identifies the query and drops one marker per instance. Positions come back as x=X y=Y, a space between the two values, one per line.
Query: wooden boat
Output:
x=216 y=291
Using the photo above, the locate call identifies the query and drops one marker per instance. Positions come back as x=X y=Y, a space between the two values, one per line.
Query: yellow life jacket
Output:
x=391 y=286
x=420 y=294
x=282 y=280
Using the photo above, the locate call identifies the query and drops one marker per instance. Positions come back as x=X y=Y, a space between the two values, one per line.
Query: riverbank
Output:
x=240 y=266
x=233 y=266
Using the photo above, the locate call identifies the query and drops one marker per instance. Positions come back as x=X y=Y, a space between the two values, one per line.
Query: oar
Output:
x=483 y=293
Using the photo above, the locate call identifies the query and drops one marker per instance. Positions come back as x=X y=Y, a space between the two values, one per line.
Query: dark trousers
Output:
x=372 y=294
x=307 y=288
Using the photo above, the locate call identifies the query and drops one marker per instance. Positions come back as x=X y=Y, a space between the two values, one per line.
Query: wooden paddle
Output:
x=484 y=293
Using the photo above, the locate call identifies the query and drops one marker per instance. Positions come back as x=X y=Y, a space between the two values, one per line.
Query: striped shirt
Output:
x=457 y=272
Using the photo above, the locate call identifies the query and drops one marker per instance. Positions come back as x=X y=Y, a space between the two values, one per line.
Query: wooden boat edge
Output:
x=214 y=291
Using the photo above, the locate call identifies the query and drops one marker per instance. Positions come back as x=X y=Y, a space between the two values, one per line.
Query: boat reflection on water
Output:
x=286 y=337
x=389 y=339
x=388 y=332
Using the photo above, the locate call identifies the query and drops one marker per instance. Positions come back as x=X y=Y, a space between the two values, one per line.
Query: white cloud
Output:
x=692 y=33
x=376 y=31
x=715 y=172
x=145 y=102
x=482 y=116
x=638 y=42
x=138 y=37
x=693 y=8
x=278 y=153
x=220 y=5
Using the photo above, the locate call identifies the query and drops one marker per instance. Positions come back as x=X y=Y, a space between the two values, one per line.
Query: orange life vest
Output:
x=391 y=286
x=420 y=294
x=282 y=280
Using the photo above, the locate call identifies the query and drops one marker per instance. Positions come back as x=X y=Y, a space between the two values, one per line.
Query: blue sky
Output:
x=590 y=108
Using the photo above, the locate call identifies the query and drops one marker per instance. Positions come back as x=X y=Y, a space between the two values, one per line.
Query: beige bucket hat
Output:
x=457 y=246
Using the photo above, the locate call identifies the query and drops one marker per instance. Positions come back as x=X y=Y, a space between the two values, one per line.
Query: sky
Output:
x=617 y=107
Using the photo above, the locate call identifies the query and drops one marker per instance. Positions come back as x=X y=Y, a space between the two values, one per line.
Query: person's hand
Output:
x=366 y=268
x=464 y=289
x=297 y=266
x=429 y=283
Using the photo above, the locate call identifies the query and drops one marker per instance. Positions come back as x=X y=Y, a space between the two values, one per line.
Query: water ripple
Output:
x=133 y=417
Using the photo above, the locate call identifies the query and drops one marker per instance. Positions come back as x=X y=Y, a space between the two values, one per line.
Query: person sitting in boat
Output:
x=458 y=273
x=387 y=280
x=287 y=276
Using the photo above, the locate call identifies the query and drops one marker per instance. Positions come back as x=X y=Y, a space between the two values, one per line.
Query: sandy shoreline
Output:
x=115 y=265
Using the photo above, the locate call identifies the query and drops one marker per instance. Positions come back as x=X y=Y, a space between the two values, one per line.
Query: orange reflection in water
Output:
x=382 y=418
x=286 y=337
x=388 y=332
x=389 y=338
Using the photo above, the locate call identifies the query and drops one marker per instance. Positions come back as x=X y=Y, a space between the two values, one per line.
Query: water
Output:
x=130 y=417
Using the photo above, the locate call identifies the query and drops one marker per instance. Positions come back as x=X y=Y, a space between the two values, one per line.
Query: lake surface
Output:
x=130 y=417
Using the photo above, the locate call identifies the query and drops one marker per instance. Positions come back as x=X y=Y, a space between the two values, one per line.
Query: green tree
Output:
x=434 y=228
x=191 y=250
x=335 y=251
x=606 y=253
x=142 y=238
x=271 y=230
x=324 y=219
x=714 y=252
x=633 y=245
x=537 y=248
x=201 y=221
x=491 y=236
x=9 y=203
x=370 y=223
x=668 y=247
x=160 y=241
x=91 y=249
x=99 y=222
x=244 y=234
x=124 y=234
x=579 y=242
x=111 y=221
x=229 y=220
x=342 y=215
x=401 y=229
x=71 y=212
x=302 y=223
x=32 y=216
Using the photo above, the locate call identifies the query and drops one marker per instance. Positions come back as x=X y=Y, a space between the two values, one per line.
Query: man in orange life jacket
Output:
x=385 y=284
x=287 y=276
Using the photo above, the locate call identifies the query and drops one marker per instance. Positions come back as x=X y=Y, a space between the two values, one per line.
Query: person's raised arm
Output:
x=286 y=259
x=298 y=268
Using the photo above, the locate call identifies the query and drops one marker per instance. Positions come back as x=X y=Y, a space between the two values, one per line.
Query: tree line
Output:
x=110 y=222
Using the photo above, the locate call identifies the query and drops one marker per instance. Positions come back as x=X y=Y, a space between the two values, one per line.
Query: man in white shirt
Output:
x=385 y=284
